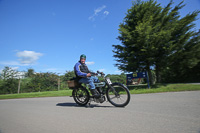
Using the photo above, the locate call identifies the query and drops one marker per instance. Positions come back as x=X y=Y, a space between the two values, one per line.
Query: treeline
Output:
x=12 y=81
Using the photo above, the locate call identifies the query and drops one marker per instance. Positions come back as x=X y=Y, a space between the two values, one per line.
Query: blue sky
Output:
x=50 y=35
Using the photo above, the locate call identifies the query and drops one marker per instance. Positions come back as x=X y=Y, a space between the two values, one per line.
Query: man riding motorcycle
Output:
x=83 y=75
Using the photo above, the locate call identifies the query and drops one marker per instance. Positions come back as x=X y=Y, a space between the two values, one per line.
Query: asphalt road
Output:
x=176 y=112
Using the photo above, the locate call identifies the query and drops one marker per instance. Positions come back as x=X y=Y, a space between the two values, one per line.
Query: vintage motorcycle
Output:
x=116 y=93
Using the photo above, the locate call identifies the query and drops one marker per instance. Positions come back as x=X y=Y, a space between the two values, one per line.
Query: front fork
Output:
x=113 y=90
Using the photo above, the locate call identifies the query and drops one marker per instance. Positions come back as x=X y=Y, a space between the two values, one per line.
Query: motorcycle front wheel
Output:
x=118 y=95
x=81 y=96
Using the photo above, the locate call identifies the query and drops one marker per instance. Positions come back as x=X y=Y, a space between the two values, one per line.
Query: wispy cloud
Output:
x=28 y=57
x=96 y=12
x=99 y=9
x=25 y=58
x=106 y=12
x=89 y=63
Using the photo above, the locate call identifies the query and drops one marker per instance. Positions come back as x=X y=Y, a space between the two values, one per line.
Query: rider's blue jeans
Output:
x=89 y=80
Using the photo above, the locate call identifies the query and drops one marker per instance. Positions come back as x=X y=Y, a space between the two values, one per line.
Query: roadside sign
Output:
x=130 y=77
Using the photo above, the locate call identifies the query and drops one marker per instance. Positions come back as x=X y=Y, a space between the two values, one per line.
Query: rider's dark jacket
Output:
x=81 y=70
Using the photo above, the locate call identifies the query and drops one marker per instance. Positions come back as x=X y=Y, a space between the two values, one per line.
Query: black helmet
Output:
x=83 y=56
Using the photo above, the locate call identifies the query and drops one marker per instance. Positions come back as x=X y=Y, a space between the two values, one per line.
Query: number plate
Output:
x=109 y=81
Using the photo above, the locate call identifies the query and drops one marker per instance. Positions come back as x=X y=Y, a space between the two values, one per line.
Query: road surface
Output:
x=173 y=112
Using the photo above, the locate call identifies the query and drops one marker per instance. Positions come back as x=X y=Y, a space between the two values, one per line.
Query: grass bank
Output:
x=141 y=89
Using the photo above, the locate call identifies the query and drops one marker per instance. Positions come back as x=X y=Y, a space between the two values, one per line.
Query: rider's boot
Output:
x=95 y=93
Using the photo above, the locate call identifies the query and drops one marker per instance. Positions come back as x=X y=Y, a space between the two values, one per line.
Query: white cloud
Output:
x=99 y=9
x=96 y=12
x=28 y=57
x=106 y=13
x=25 y=58
x=89 y=63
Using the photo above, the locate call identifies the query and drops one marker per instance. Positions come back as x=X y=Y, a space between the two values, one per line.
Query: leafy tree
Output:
x=9 y=82
x=184 y=63
x=8 y=73
x=30 y=73
x=193 y=75
x=68 y=75
x=43 y=82
x=151 y=34
x=117 y=78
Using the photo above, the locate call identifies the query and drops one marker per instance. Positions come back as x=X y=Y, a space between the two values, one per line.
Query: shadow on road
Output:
x=87 y=106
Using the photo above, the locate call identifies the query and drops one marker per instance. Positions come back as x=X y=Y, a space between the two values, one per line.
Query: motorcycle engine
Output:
x=101 y=99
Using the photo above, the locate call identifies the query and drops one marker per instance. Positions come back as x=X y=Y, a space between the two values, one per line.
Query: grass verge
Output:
x=163 y=88
x=133 y=90
x=38 y=94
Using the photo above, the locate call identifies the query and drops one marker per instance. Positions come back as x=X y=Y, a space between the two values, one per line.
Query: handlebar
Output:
x=102 y=74
x=96 y=74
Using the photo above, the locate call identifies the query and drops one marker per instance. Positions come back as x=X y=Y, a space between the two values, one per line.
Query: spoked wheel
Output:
x=118 y=95
x=81 y=96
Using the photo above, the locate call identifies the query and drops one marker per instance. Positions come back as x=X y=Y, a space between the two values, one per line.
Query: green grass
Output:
x=133 y=90
x=163 y=88
x=38 y=94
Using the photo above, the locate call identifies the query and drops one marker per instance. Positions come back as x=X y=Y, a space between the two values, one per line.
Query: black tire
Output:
x=118 y=97
x=81 y=96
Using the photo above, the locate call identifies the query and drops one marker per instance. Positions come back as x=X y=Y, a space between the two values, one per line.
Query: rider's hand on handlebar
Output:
x=89 y=75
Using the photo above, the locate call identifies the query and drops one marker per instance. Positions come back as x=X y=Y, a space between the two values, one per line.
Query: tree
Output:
x=182 y=42
x=117 y=78
x=30 y=73
x=10 y=82
x=150 y=34
x=68 y=75
x=8 y=73
x=43 y=82
x=184 y=64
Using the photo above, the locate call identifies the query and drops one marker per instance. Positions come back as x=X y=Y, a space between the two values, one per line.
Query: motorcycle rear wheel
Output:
x=81 y=96
x=119 y=96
